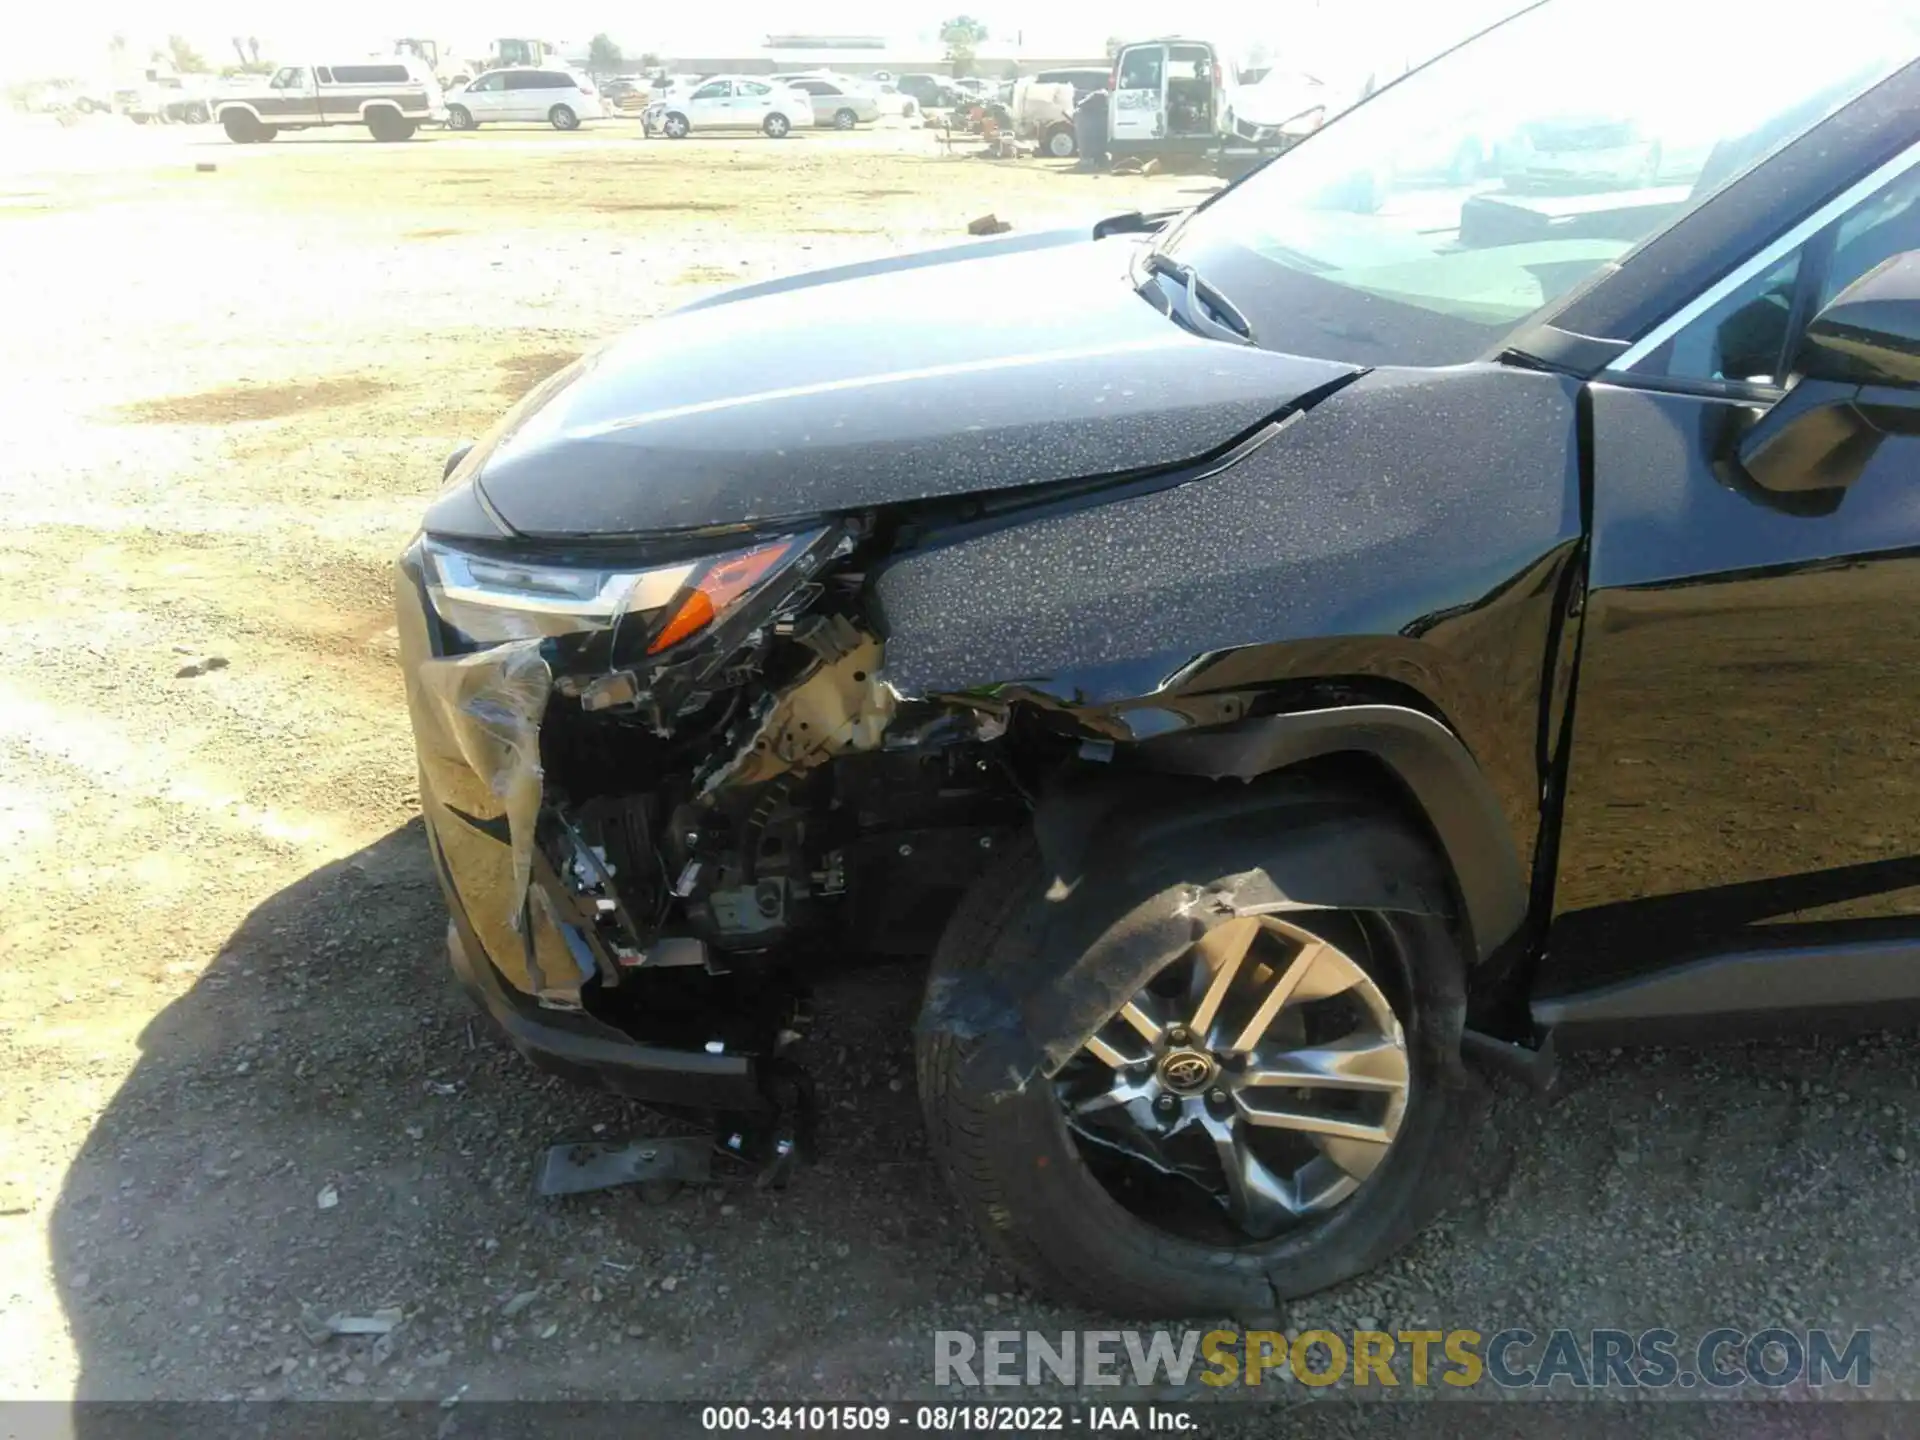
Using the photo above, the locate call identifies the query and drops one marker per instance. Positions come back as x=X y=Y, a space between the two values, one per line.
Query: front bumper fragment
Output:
x=582 y=1049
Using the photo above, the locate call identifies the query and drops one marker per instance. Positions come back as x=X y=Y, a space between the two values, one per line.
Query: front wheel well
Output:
x=1429 y=767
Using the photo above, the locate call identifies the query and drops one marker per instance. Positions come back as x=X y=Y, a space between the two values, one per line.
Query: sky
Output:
x=71 y=37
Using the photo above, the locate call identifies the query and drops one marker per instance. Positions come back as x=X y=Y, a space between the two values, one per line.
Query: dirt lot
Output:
x=240 y=1089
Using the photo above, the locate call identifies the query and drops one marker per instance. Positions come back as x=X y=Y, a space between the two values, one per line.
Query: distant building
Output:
x=865 y=54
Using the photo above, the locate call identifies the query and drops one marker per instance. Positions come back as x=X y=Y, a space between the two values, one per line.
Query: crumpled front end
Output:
x=625 y=777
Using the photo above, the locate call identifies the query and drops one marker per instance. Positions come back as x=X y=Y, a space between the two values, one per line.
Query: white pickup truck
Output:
x=391 y=95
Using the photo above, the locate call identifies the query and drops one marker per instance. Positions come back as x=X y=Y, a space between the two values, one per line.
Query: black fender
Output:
x=1429 y=760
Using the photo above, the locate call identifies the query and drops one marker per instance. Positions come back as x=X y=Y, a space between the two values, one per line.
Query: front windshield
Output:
x=1425 y=226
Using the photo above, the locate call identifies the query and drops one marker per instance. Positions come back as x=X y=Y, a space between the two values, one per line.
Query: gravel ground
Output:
x=243 y=1096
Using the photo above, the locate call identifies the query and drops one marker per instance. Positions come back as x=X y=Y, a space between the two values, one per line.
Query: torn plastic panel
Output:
x=480 y=756
x=1131 y=852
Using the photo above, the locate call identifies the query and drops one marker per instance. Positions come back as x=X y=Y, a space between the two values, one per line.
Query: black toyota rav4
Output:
x=1268 y=656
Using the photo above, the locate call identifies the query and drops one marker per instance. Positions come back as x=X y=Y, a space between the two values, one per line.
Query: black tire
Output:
x=845 y=119
x=389 y=125
x=1026 y=1185
x=241 y=127
x=140 y=119
x=777 y=126
x=675 y=126
x=460 y=118
x=1061 y=144
x=561 y=117
x=266 y=133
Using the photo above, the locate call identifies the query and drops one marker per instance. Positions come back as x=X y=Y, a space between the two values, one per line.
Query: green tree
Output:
x=603 y=55
x=962 y=36
x=185 y=59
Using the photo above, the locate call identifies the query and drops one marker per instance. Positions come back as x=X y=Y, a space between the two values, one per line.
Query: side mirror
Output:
x=1869 y=334
x=1858 y=369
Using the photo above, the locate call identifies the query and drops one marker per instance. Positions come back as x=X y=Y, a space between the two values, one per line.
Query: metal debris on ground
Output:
x=600 y=1165
x=380 y=1322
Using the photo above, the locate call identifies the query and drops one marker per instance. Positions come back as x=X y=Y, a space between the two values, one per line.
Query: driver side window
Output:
x=1751 y=334
x=716 y=91
x=290 y=78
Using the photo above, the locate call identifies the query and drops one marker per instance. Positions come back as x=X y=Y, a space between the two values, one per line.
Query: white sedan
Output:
x=731 y=102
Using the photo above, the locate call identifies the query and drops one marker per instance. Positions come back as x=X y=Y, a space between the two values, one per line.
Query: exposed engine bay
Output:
x=730 y=793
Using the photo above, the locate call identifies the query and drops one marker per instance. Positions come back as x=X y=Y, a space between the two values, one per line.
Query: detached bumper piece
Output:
x=766 y=1153
x=590 y=1052
x=577 y=1169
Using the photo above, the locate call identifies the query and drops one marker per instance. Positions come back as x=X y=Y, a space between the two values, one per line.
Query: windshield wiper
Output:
x=1205 y=303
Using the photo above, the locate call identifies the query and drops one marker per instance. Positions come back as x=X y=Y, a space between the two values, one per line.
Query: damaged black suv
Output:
x=1455 y=588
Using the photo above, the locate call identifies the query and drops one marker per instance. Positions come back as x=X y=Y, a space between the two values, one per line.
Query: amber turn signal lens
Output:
x=720 y=587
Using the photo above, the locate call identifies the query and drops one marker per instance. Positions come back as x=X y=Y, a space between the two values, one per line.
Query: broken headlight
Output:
x=489 y=599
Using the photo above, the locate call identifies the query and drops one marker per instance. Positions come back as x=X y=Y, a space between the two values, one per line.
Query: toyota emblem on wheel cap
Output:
x=1186 y=1070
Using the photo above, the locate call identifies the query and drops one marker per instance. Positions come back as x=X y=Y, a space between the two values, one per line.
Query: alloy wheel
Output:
x=1264 y=1068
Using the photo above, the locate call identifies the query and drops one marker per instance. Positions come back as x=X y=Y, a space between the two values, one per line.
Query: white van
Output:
x=1169 y=94
x=560 y=98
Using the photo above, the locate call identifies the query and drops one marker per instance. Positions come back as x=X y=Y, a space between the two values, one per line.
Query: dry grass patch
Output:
x=233 y=404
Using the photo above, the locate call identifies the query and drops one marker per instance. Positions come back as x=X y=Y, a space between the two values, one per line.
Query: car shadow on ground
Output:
x=323 y=1126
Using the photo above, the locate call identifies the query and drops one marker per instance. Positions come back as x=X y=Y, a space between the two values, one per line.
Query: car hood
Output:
x=989 y=367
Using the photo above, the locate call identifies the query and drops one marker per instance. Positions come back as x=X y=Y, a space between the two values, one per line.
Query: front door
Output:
x=291 y=95
x=486 y=97
x=1139 y=108
x=1745 y=762
x=524 y=95
x=710 y=106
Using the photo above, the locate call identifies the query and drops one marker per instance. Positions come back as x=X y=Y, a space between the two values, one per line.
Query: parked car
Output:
x=929 y=92
x=1281 y=657
x=892 y=102
x=731 y=102
x=836 y=103
x=1578 y=151
x=626 y=93
x=168 y=100
x=1282 y=107
x=1084 y=79
x=1043 y=110
x=551 y=96
x=391 y=97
